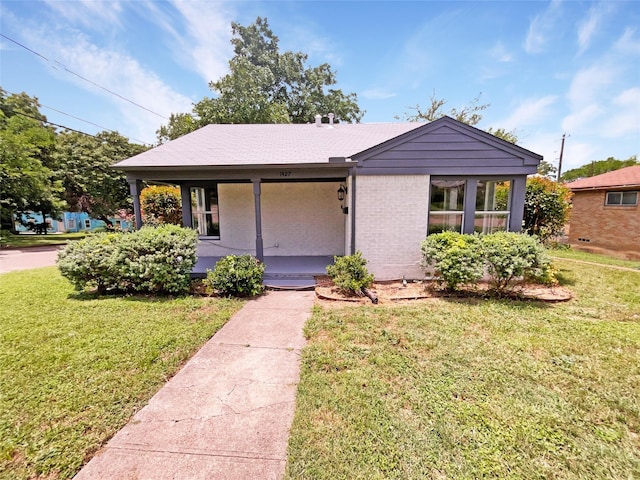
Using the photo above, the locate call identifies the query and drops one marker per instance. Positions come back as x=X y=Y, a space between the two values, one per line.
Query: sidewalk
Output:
x=227 y=413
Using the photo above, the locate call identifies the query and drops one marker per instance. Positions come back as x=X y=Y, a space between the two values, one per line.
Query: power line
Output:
x=77 y=118
x=83 y=78
x=90 y=123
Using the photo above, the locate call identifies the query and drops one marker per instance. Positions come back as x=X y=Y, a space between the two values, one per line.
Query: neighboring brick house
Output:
x=606 y=214
x=309 y=192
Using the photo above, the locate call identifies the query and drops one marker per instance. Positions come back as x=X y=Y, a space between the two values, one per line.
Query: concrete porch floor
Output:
x=281 y=272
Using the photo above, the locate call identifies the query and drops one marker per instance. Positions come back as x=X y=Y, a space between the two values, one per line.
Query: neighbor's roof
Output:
x=267 y=144
x=624 y=177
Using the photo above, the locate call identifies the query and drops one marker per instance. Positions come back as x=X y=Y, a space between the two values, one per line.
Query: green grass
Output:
x=10 y=240
x=75 y=368
x=572 y=254
x=469 y=388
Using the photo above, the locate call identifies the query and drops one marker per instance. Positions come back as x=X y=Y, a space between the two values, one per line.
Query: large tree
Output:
x=266 y=86
x=90 y=184
x=27 y=168
x=597 y=168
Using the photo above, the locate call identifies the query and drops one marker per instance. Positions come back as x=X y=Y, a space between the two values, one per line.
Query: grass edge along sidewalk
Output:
x=74 y=368
x=468 y=388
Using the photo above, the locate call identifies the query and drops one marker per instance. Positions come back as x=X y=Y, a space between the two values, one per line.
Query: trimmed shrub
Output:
x=455 y=257
x=90 y=262
x=510 y=256
x=237 y=275
x=349 y=273
x=506 y=257
x=152 y=259
x=157 y=259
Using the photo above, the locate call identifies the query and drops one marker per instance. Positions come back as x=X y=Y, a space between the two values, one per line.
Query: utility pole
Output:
x=560 y=160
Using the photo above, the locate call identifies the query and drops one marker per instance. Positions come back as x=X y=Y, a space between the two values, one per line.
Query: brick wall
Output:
x=391 y=222
x=300 y=218
x=596 y=227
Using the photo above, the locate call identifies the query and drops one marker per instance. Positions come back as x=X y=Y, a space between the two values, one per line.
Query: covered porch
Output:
x=281 y=272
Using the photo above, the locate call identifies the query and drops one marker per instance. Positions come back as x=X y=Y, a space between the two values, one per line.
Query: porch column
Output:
x=134 y=187
x=518 y=191
x=470 y=190
x=185 y=198
x=256 y=198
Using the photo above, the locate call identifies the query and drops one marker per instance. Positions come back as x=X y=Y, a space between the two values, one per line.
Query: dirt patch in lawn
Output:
x=399 y=291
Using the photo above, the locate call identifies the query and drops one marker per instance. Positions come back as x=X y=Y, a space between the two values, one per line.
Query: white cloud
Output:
x=588 y=28
x=627 y=44
x=529 y=112
x=500 y=54
x=377 y=94
x=589 y=84
x=119 y=73
x=100 y=14
x=625 y=116
x=582 y=119
x=542 y=27
x=208 y=31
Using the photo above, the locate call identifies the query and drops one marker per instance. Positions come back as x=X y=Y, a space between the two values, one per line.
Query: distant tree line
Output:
x=598 y=167
x=48 y=171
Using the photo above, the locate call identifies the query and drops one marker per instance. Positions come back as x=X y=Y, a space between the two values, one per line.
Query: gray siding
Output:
x=447 y=148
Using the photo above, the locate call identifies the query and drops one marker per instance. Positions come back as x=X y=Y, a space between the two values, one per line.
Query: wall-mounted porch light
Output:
x=342 y=194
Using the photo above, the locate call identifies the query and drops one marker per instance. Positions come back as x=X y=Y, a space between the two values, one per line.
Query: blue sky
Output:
x=545 y=68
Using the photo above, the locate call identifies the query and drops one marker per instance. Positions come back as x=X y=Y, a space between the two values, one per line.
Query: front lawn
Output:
x=10 y=240
x=470 y=388
x=75 y=368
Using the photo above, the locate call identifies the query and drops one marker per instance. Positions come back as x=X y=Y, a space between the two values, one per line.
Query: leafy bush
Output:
x=152 y=259
x=90 y=262
x=547 y=206
x=455 y=257
x=506 y=257
x=349 y=273
x=510 y=256
x=157 y=259
x=237 y=275
x=161 y=204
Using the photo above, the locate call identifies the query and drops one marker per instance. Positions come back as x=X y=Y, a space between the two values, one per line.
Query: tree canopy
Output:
x=27 y=170
x=45 y=171
x=597 y=168
x=90 y=184
x=266 y=85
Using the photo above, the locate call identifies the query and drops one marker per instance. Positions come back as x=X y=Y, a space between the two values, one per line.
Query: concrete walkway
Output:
x=227 y=413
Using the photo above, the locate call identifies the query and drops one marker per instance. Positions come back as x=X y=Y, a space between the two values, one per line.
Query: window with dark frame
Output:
x=490 y=211
x=621 y=199
x=205 y=212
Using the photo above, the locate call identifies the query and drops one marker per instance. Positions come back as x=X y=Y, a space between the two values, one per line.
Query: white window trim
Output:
x=621 y=193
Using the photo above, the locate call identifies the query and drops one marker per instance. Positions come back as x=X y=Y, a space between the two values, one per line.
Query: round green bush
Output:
x=237 y=276
x=349 y=273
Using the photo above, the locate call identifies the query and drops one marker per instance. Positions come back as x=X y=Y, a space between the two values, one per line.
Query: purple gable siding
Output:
x=446 y=147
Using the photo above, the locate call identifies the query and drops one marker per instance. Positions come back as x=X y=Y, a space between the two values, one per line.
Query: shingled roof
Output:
x=267 y=144
x=623 y=177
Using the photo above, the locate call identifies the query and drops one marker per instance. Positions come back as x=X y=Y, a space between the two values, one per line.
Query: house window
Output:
x=71 y=224
x=446 y=206
x=205 y=213
x=492 y=206
x=87 y=224
x=618 y=199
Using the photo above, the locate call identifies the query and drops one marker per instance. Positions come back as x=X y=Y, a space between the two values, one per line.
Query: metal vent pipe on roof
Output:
x=331 y=115
x=318 y=120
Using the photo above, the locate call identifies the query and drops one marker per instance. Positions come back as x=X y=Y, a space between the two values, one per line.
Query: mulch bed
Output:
x=397 y=291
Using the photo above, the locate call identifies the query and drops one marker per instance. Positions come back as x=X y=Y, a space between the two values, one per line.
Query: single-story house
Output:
x=68 y=222
x=295 y=195
x=605 y=216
